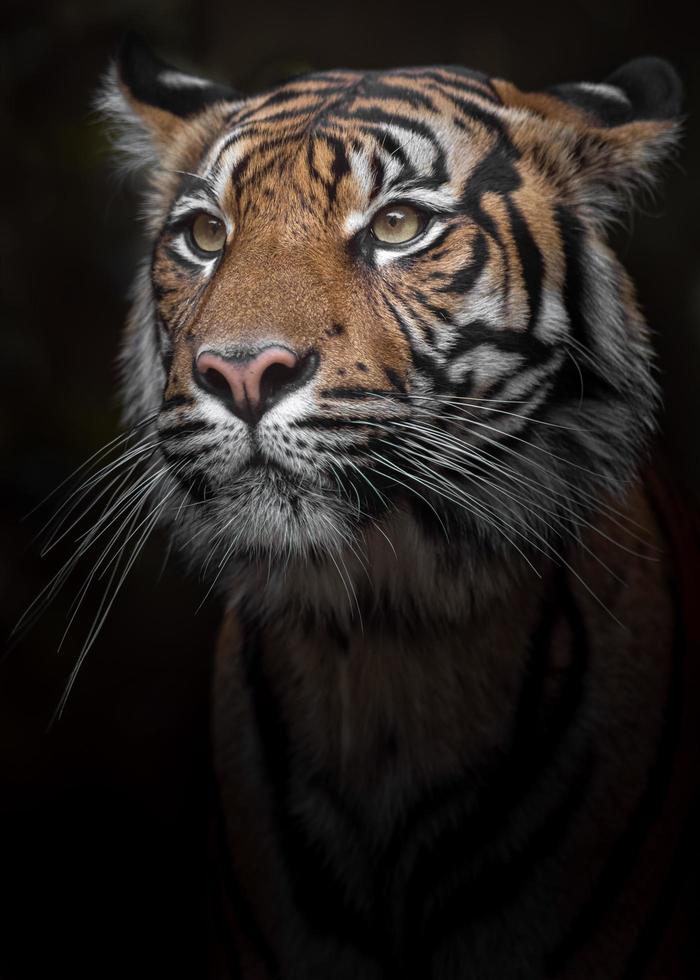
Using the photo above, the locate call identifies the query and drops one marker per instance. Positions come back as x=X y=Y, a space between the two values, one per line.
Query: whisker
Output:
x=55 y=538
x=98 y=454
x=547 y=548
x=560 y=526
x=104 y=610
x=470 y=503
x=482 y=456
x=381 y=459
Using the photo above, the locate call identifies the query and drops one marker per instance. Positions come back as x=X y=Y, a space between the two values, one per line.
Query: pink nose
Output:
x=249 y=386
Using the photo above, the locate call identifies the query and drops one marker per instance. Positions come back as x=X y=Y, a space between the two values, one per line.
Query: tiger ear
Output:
x=614 y=134
x=150 y=102
x=646 y=89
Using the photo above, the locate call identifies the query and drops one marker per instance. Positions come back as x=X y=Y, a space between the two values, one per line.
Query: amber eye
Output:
x=208 y=233
x=397 y=223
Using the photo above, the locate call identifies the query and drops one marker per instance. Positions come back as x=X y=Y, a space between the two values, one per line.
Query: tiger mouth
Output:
x=271 y=476
x=264 y=465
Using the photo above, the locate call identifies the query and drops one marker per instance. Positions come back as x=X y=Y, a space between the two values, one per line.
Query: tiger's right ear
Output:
x=150 y=103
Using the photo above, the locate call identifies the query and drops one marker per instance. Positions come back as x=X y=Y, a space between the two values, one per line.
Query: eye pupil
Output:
x=208 y=233
x=397 y=224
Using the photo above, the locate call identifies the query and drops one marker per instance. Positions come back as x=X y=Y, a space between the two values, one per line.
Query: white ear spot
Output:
x=178 y=79
x=605 y=91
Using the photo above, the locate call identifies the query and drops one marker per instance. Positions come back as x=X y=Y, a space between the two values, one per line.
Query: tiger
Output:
x=403 y=403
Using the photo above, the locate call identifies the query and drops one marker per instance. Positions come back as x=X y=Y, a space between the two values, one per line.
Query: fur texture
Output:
x=450 y=662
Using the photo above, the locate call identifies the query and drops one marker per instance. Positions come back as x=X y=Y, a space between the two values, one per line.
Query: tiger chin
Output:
x=402 y=398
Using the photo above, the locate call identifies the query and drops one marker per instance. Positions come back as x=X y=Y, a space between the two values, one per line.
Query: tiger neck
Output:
x=401 y=581
x=388 y=704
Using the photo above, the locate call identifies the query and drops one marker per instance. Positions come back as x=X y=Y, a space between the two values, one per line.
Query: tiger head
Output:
x=380 y=306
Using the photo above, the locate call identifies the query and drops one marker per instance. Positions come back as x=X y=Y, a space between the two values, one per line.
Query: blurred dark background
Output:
x=103 y=838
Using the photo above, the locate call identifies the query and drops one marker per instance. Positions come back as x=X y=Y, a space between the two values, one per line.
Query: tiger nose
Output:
x=252 y=384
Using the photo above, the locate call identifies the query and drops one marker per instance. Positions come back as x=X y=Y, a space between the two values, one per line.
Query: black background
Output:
x=103 y=843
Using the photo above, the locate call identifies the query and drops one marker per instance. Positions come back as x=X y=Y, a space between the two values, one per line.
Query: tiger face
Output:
x=380 y=305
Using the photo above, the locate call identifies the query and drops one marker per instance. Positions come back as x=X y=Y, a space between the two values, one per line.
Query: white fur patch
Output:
x=607 y=91
x=178 y=79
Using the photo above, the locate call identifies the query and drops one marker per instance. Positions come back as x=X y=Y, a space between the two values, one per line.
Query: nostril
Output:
x=276 y=377
x=215 y=382
x=280 y=379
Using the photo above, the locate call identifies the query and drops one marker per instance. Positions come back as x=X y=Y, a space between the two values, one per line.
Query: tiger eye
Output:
x=208 y=233
x=397 y=223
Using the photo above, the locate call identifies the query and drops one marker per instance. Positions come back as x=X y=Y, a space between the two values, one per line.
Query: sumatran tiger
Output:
x=400 y=400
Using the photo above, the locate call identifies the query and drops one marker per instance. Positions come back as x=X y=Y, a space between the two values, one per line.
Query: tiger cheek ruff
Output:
x=403 y=398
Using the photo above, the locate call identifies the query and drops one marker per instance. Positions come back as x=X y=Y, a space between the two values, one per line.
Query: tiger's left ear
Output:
x=150 y=103
x=614 y=134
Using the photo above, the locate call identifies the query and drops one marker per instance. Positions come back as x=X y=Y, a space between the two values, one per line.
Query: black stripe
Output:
x=191 y=453
x=495 y=174
x=185 y=428
x=464 y=80
x=320 y=896
x=494 y=390
x=340 y=166
x=311 y=162
x=417 y=100
x=461 y=790
x=438 y=242
x=377 y=119
x=464 y=280
x=391 y=146
x=189 y=264
x=531 y=262
x=476 y=113
x=421 y=361
x=499 y=878
x=284 y=115
x=378 y=174
x=176 y=400
x=537 y=736
x=573 y=241
x=240 y=168
x=478 y=333
x=164 y=345
x=288 y=93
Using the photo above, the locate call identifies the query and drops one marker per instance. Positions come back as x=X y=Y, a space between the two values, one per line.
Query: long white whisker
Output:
x=450 y=445
x=94 y=458
x=492 y=485
x=593 y=500
x=98 y=623
x=56 y=537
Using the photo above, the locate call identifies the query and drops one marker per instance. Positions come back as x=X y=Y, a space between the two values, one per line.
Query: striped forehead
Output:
x=393 y=132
